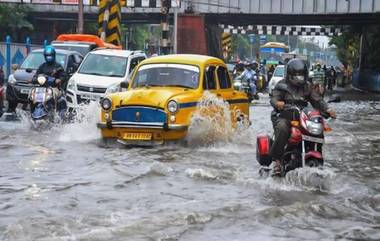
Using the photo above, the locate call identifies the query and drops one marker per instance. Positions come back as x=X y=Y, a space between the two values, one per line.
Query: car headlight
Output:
x=314 y=128
x=12 y=80
x=106 y=104
x=113 y=89
x=71 y=85
x=173 y=106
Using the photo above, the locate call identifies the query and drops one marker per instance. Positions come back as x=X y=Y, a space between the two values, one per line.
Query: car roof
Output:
x=184 y=58
x=58 y=51
x=116 y=52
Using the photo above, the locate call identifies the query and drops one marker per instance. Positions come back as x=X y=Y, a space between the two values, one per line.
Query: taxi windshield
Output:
x=176 y=75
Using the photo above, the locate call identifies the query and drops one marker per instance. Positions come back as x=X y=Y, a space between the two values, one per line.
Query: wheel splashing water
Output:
x=213 y=121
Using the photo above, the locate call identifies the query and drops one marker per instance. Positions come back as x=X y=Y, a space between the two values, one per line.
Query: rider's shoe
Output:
x=276 y=168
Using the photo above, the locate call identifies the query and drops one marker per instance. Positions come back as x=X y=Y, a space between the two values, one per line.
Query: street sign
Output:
x=252 y=38
x=263 y=39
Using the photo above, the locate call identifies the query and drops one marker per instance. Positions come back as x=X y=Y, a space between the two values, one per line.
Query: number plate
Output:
x=89 y=97
x=25 y=91
x=138 y=136
x=313 y=139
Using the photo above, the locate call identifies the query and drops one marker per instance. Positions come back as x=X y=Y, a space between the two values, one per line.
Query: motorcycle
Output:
x=247 y=86
x=44 y=104
x=304 y=147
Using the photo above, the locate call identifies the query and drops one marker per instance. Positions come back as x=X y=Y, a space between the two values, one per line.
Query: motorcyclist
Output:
x=55 y=75
x=249 y=75
x=318 y=78
x=299 y=90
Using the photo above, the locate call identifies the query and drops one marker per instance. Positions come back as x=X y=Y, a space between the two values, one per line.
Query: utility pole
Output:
x=175 y=45
x=80 y=16
x=165 y=6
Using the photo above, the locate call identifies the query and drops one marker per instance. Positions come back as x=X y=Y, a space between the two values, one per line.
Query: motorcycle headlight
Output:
x=12 y=80
x=173 y=106
x=106 y=104
x=314 y=128
x=113 y=89
x=71 y=86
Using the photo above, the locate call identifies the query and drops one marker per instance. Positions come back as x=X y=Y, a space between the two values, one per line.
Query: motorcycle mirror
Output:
x=334 y=98
x=29 y=70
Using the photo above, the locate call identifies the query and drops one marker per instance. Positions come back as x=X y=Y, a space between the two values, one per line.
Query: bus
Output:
x=271 y=52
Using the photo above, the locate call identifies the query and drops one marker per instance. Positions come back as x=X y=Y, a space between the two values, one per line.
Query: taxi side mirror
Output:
x=124 y=85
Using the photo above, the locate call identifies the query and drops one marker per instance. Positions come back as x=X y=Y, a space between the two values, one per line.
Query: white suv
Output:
x=101 y=73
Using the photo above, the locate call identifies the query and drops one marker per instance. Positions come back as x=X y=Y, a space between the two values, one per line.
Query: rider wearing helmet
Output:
x=51 y=68
x=294 y=88
x=55 y=72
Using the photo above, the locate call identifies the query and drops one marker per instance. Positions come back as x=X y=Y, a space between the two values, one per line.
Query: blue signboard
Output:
x=263 y=39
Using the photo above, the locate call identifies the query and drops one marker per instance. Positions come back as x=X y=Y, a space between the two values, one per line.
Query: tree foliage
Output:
x=348 y=46
x=14 y=19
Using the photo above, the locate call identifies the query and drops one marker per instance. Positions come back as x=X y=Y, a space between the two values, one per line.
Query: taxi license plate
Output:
x=137 y=136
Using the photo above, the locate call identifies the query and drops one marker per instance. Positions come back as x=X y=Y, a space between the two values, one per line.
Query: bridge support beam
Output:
x=367 y=75
x=196 y=36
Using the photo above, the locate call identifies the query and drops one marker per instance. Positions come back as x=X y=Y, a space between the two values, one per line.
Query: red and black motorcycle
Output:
x=304 y=147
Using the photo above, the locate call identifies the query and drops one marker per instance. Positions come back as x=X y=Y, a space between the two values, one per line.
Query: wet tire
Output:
x=314 y=163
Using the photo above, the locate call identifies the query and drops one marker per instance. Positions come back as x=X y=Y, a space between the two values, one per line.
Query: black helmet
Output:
x=49 y=54
x=296 y=72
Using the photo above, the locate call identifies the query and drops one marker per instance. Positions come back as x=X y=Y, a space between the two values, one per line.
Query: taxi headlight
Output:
x=106 y=104
x=314 y=128
x=173 y=106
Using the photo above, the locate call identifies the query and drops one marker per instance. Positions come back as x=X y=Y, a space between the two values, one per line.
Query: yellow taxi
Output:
x=162 y=96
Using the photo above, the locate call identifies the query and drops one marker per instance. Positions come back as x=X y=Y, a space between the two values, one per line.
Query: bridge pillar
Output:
x=367 y=76
x=196 y=36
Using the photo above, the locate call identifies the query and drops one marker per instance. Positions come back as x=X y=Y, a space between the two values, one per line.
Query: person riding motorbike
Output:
x=300 y=91
x=55 y=74
x=249 y=75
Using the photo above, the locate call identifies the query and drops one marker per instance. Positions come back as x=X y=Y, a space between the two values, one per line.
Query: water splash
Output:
x=83 y=128
x=212 y=122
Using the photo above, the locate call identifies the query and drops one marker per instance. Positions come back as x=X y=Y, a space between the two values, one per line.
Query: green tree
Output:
x=14 y=20
x=241 y=46
x=137 y=36
x=347 y=46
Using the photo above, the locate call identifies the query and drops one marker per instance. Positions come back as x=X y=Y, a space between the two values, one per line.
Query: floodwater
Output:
x=66 y=184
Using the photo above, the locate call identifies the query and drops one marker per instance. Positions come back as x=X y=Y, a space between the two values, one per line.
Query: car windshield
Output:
x=180 y=75
x=35 y=59
x=279 y=72
x=83 y=49
x=104 y=65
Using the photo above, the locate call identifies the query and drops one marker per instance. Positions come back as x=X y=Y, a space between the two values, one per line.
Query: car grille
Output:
x=91 y=89
x=139 y=114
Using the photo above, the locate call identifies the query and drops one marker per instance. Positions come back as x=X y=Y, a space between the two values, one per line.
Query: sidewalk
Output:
x=351 y=93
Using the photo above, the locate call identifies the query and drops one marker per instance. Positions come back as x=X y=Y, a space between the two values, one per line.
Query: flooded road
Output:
x=65 y=184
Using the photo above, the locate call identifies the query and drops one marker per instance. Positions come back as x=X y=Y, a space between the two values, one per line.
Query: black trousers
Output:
x=281 y=129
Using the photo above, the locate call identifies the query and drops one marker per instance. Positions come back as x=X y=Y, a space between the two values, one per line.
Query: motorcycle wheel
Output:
x=314 y=163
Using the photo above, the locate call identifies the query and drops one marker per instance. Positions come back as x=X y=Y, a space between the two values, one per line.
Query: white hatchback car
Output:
x=278 y=74
x=101 y=73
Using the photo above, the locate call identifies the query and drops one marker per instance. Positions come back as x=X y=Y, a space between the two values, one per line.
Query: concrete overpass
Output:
x=232 y=12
